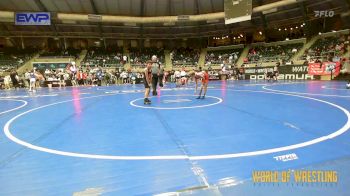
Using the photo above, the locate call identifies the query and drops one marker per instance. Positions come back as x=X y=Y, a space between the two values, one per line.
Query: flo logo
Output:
x=324 y=13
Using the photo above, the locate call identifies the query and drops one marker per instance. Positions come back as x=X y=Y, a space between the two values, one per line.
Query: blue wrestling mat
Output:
x=105 y=141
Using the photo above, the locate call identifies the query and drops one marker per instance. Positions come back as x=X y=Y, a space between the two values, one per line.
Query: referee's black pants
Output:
x=154 y=83
x=160 y=80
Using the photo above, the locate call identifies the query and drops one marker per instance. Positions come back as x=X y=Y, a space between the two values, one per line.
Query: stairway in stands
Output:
x=81 y=57
x=202 y=56
x=167 y=58
x=306 y=46
x=126 y=53
x=27 y=65
x=244 y=54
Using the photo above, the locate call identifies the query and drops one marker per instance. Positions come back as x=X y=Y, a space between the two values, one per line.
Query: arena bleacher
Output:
x=109 y=57
x=13 y=58
x=261 y=54
x=226 y=55
x=326 y=48
x=57 y=53
x=140 y=56
x=185 y=57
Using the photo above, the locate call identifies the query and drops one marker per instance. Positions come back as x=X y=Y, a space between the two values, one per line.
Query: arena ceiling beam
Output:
x=142 y=7
x=43 y=8
x=170 y=7
x=262 y=16
x=93 y=6
x=196 y=7
x=345 y=15
x=8 y=34
x=212 y=5
x=4 y=30
x=305 y=16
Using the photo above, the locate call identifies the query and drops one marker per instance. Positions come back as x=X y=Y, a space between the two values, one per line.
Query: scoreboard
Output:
x=237 y=10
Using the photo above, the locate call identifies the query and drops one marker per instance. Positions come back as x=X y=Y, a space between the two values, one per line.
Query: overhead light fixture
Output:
x=285 y=29
x=241 y=35
x=296 y=27
x=287 y=39
x=260 y=32
x=291 y=28
x=319 y=33
x=279 y=29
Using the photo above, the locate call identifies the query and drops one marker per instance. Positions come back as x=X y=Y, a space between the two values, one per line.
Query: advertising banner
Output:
x=43 y=66
x=33 y=18
x=326 y=68
x=287 y=72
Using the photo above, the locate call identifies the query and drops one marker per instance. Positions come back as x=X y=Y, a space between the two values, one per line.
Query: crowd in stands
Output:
x=78 y=76
x=13 y=57
x=220 y=56
x=273 y=53
x=71 y=76
x=85 y=76
x=93 y=70
x=187 y=57
x=109 y=57
x=139 y=56
x=327 y=49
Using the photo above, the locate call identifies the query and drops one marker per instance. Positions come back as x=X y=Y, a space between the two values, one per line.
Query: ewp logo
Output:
x=33 y=18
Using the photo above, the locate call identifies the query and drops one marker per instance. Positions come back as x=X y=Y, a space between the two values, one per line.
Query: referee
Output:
x=155 y=74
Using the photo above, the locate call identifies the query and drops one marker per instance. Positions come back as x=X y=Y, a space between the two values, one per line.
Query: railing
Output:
x=240 y=46
x=56 y=57
x=185 y=64
x=322 y=56
x=280 y=43
x=267 y=59
x=103 y=65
